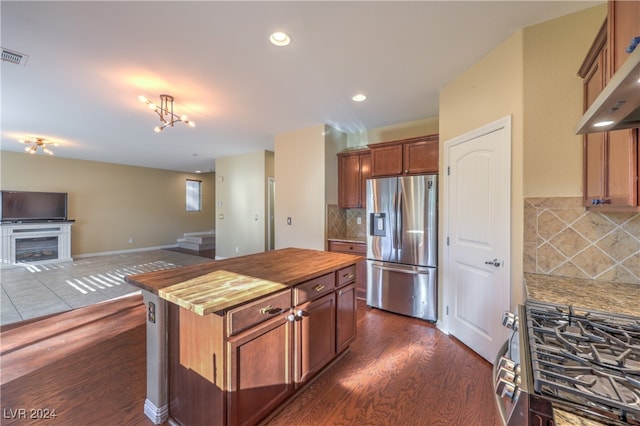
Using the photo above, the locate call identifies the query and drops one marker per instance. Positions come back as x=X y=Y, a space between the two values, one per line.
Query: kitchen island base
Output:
x=217 y=362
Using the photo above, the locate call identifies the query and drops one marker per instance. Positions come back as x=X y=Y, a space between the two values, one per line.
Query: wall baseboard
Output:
x=106 y=253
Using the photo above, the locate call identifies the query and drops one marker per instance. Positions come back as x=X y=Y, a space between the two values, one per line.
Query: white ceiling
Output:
x=89 y=61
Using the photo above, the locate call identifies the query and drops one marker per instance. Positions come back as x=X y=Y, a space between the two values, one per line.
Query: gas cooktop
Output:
x=586 y=358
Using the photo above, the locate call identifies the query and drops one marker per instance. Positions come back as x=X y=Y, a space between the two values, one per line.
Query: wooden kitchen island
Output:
x=229 y=341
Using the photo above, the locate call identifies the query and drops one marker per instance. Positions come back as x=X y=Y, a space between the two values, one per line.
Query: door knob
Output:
x=494 y=262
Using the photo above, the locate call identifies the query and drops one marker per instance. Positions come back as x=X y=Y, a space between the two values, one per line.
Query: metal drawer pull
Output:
x=319 y=287
x=349 y=275
x=270 y=310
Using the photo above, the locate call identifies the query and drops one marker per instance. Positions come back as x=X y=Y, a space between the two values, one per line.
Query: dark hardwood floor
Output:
x=89 y=366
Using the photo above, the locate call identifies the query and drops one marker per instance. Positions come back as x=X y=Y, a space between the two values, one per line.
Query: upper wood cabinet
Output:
x=354 y=168
x=610 y=159
x=623 y=23
x=405 y=157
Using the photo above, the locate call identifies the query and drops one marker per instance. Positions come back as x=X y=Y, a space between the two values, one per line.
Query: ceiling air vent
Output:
x=14 y=57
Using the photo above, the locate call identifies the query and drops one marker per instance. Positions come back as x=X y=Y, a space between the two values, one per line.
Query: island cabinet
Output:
x=354 y=168
x=610 y=159
x=359 y=248
x=405 y=157
x=244 y=334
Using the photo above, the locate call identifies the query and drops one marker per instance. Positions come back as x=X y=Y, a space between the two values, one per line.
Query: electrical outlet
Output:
x=152 y=312
x=359 y=220
x=237 y=249
x=130 y=240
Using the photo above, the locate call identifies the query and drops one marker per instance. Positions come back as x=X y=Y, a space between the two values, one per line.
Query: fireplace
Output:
x=36 y=243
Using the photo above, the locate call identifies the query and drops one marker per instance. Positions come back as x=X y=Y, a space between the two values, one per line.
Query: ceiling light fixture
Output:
x=280 y=39
x=36 y=143
x=359 y=97
x=165 y=112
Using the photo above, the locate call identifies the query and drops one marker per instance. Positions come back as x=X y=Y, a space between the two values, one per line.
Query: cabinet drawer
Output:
x=343 y=247
x=256 y=312
x=314 y=288
x=346 y=275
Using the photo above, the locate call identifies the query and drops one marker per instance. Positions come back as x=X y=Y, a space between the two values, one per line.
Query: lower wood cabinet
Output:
x=259 y=370
x=234 y=368
x=345 y=316
x=315 y=336
x=361 y=267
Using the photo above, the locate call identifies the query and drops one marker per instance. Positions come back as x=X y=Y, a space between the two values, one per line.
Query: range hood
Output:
x=619 y=103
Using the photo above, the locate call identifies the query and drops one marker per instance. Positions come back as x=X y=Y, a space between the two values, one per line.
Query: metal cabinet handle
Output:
x=599 y=201
x=319 y=287
x=494 y=262
x=349 y=275
x=270 y=310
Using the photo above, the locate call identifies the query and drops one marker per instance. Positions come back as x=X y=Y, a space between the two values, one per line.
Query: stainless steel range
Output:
x=584 y=362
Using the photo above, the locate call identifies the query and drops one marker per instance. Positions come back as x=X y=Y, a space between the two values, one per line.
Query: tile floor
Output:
x=32 y=291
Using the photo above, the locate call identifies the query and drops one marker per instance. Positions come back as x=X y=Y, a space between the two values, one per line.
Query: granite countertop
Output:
x=617 y=298
x=565 y=418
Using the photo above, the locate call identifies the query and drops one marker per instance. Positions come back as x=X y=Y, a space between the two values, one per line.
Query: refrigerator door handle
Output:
x=394 y=230
x=404 y=271
x=400 y=219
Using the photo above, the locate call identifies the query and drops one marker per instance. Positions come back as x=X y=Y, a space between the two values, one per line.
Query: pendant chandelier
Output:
x=35 y=143
x=165 y=111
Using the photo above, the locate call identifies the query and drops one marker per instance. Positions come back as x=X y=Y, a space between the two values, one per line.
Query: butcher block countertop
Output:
x=221 y=285
x=617 y=298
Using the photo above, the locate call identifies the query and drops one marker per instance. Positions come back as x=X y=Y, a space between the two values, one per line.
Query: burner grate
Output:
x=587 y=358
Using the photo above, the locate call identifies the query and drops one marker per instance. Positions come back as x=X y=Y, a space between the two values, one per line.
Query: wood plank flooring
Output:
x=399 y=371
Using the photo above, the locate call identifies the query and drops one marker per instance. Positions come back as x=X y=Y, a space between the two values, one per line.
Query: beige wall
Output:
x=532 y=77
x=112 y=203
x=306 y=176
x=409 y=129
x=490 y=90
x=554 y=50
x=241 y=200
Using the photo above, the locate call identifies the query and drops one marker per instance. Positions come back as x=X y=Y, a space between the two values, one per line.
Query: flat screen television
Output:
x=25 y=206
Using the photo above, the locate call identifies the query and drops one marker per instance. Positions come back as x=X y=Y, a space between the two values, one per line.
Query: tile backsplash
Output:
x=343 y=223
x=562 y=238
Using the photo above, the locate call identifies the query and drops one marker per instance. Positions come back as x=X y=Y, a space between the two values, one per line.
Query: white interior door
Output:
x=476 y=279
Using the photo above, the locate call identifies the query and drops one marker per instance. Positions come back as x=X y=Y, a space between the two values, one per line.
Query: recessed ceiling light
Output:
x=359 y=97
x=280 y=39
x=602 y=123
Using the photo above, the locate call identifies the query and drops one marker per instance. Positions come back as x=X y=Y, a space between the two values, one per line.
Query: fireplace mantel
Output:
x=35 y=243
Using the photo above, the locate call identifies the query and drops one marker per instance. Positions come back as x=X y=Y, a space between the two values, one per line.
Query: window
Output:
x=194 y=195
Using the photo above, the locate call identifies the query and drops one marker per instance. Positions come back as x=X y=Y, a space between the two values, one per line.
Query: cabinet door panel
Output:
x=259 y=371
x=315 y=334
x=386 y=161
x=623 y=22
x=421 y=157
x=594 y=167
x=345 y=317
x=349 y=181
x=365 y=173
x=622 y=168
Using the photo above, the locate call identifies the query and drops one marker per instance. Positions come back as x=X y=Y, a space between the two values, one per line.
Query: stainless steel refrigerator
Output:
x=402 y=245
